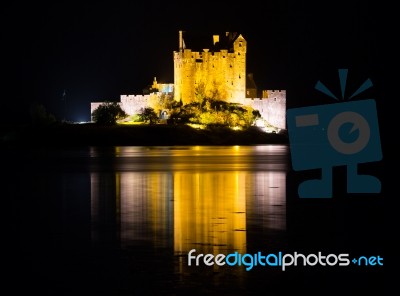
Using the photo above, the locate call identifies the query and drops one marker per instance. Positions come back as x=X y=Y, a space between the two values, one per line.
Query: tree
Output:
x=161 y=102
x=108 y=113
x=200 y=92
x=40 y=116
x=149 y=115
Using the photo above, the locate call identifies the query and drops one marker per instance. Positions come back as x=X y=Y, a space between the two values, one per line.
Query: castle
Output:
x=218 y=72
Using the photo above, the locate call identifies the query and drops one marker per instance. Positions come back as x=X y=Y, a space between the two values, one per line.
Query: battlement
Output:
x=274 y=93
x=134 y=98
x=196 y=55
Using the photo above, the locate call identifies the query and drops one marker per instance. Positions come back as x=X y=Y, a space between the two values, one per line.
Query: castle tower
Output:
x=217 y=72
x=239 y=66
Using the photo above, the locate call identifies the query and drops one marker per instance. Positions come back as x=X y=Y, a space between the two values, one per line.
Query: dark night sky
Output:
x=99 y=51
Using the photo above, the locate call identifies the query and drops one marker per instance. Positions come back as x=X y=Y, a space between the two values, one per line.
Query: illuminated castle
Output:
x=218 y=72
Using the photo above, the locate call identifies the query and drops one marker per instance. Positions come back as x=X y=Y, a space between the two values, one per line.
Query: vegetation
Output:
x=148 y=116
x=204 y=111
x=134 y=118
x=211 y=112
x=207 y=109
x=39 y=115
x=108 y=113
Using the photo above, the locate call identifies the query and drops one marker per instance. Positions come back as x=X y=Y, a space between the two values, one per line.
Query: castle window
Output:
x=238 y=53
x=239 y=76
x=240 y=44
x=223 y=56
x=230 y=65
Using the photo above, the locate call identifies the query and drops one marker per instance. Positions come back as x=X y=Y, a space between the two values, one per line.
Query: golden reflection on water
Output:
x=210 y=212
x=198 y=198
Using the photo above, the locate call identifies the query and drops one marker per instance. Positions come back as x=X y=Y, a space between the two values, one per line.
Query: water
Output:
x=121 y=220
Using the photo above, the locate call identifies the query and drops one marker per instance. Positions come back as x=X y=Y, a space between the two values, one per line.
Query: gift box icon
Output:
x=324 y=136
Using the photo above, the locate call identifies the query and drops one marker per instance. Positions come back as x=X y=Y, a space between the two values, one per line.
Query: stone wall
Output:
x=134 y=104
x=272 y=108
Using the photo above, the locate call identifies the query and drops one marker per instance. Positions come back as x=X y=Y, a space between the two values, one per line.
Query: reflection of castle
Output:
x=187 y=205
x=218 y=72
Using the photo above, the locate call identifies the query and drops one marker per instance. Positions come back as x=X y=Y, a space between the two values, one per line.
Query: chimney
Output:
x=215 y=38
x=180 y=41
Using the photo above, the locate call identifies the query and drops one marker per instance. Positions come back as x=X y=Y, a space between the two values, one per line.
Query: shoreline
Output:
x=67 y=135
